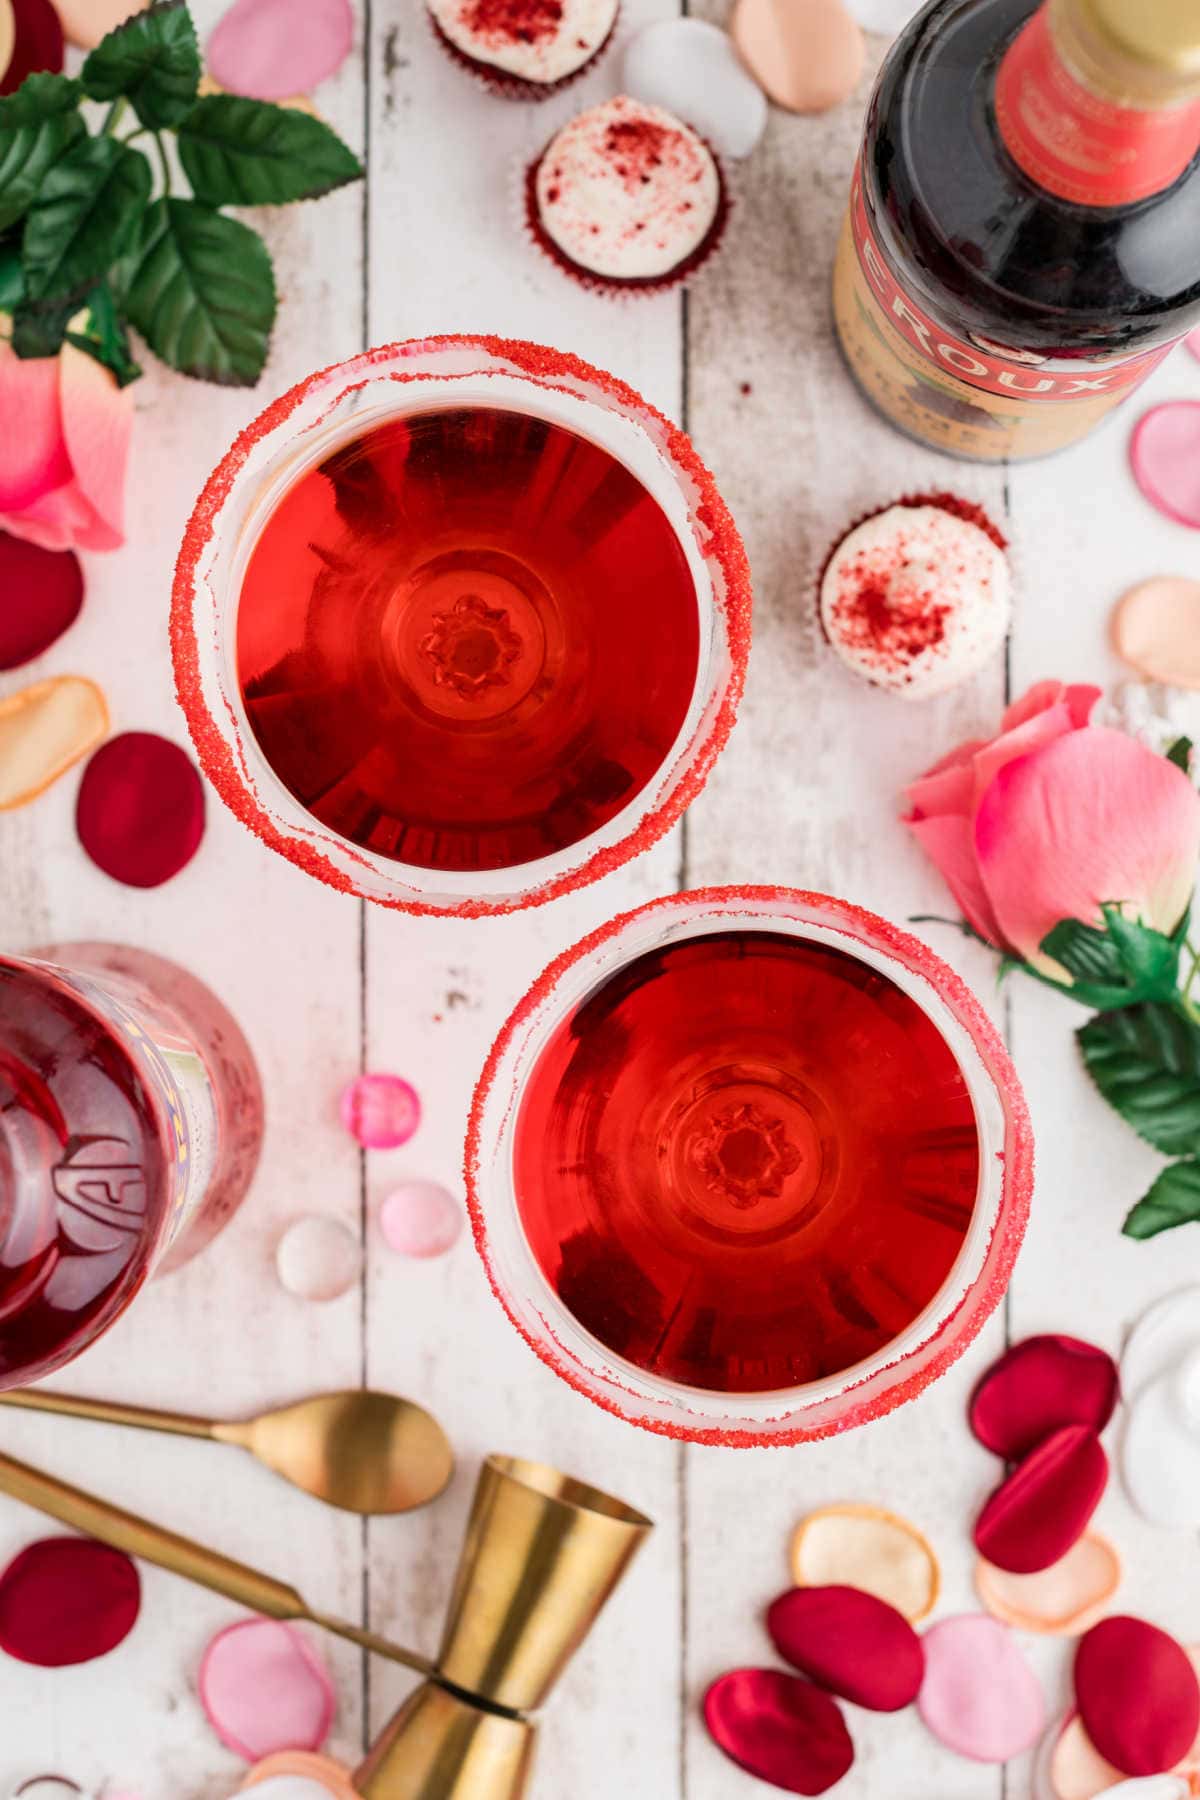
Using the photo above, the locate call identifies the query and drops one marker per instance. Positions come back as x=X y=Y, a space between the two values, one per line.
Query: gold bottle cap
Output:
x=1146 y=49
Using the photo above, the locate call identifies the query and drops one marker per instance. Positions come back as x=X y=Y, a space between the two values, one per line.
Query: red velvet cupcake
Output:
x=626 y=197
x=524 y=49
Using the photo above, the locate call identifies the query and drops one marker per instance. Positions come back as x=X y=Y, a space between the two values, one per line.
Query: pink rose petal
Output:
x=264 y=1688
x=979 y=1696
x=381 y=1111
x=1038 y=1386
x=97 y=421
x=42 y=594
x=949 y=843
x=782 y=1729
x=420 y=1218
x=33 y=460
x=1137 y=1695
x=1165 y=453
x=272 y=49
x=1044 y=1506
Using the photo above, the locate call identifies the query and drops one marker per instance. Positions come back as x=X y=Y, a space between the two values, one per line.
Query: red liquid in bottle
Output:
x=746 y=1162
x=468 y=639
x=83 y=1183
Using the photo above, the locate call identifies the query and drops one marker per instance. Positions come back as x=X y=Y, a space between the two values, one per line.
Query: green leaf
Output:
x=38 y=125
x=86 y=212
x=103 y=336
x=1146 y=1063
x=1085 y=952
x=239 y=152
x=201 y=293
x=12 y=278
x=1180 y=754
x=39 y=327
x=153 y=60
x=1174 y=1199
x=1149 y=958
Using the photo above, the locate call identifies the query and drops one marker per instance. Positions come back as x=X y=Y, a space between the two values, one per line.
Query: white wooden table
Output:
x=806 y=793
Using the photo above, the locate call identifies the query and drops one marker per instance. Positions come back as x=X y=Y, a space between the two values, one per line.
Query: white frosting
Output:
x=549 y=55
x=622 y=207
x=692 y=69
x=946 y=590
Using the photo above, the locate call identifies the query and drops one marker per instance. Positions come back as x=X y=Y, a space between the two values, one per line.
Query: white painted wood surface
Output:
x=806 y=793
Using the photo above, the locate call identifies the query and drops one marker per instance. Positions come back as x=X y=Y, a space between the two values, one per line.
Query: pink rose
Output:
x=1055 y=817
x=64 y=451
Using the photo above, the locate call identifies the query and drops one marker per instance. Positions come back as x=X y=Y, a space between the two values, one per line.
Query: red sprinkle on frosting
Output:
x=513 y=21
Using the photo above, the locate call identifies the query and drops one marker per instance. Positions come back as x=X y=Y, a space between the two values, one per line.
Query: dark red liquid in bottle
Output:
x=83 y=1185
x=746 y=1162
x=468 y=639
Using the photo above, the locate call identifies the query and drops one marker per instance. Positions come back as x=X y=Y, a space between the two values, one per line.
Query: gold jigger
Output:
x=541 y=1556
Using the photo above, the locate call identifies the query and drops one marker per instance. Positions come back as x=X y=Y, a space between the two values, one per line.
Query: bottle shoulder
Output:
x=982 y=242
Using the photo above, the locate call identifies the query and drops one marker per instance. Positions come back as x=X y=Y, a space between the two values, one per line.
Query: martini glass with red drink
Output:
x=460 y=624
x=749 y=1166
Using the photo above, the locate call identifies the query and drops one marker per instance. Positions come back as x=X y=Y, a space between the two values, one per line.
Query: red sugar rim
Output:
x=615 y=284
x=502 y=82
x=548 y=368
x=1012 y=1210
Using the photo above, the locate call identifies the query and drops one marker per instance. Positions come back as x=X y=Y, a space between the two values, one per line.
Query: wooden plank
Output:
x=437 y=992
x=808 y=793
x=221 y=1336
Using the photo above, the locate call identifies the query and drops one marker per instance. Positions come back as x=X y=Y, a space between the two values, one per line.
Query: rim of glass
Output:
x=907 y=1365
x=300 y=428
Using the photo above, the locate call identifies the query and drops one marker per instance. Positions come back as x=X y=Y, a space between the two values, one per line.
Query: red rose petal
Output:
x=43 y=592
x=140 y=813
x=39 y=43
x=1137 y=1695
x=1043 y=1508
x=851 y=1643
x=1039 y=1386
x=67 y=1600
x=779 y=1728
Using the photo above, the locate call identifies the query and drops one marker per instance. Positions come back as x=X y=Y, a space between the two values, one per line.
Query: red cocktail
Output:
x=749 y=1166
x=460 y=625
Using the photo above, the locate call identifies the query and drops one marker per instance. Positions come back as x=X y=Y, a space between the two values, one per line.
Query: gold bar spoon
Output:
x=362 y=1451
x=181 y=1556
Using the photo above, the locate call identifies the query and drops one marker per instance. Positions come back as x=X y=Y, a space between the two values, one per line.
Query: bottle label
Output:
x=967 y=396
x=1077 y=143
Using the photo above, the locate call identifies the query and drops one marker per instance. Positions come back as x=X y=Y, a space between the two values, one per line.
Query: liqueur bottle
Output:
x=1023 y=241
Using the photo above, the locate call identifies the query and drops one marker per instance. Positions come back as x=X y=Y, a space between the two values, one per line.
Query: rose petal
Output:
x=1077 y=1771
x=1035 y=1516
x=979 y=1696
x=1150 y=1787
x=1165 y=454
x=45 y=729
x=380 y=1111
x=43 y=592
x=1079 y=698
x=333 y=1776
x=264 y=1688
x=33 y=460
x=949 y=786
x=1160 y=1449
x=1156 y=629
x=949 y=843
x=1038 y=1386
x=1137 y=1695
x=779 y=1728
x=272 y=49
x=1161 y=1338
x=1060 y=1601
x=1046 y=725
x=140 y=812
x=87 y=21
x=848 y=1641
x=38 y=45
x=867 y=1548
x=1093 y=818
x=67 y=1600
x=60 y=520
x=97 y=421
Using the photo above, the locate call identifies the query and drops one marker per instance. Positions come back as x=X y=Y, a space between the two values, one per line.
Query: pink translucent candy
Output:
x=419 y=1218
x=264 y=1688
x=275 y=49
x=381 y=1111
x=1165 y=453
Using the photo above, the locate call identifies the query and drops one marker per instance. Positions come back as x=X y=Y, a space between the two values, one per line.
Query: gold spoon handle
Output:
x=181 y=1556
x=109 y=1412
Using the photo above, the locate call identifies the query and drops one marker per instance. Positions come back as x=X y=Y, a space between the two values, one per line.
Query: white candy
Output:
x=1160 y=1451
x=693 y=70
x=1160 y=1340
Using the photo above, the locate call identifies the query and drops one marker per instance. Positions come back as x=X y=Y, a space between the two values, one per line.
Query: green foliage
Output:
x=1146 y=1062
x=1173 y=1200
x=153 y=61
x=238 y=152
x=201 y=293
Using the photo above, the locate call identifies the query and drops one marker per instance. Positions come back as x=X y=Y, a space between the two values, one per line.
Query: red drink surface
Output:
x=746 y=1161
x=468 y=639
x=82 y=1177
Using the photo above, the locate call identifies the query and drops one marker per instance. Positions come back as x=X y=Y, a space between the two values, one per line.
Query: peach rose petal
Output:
x=309 y=1766
x=1156 y=630
x=1060 y=1601
x=8 y=35
x=87 y=21
x=274 y=49
x=44 y=730
x=865 y=1547
x=1077 y=1771
x=805 y=58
